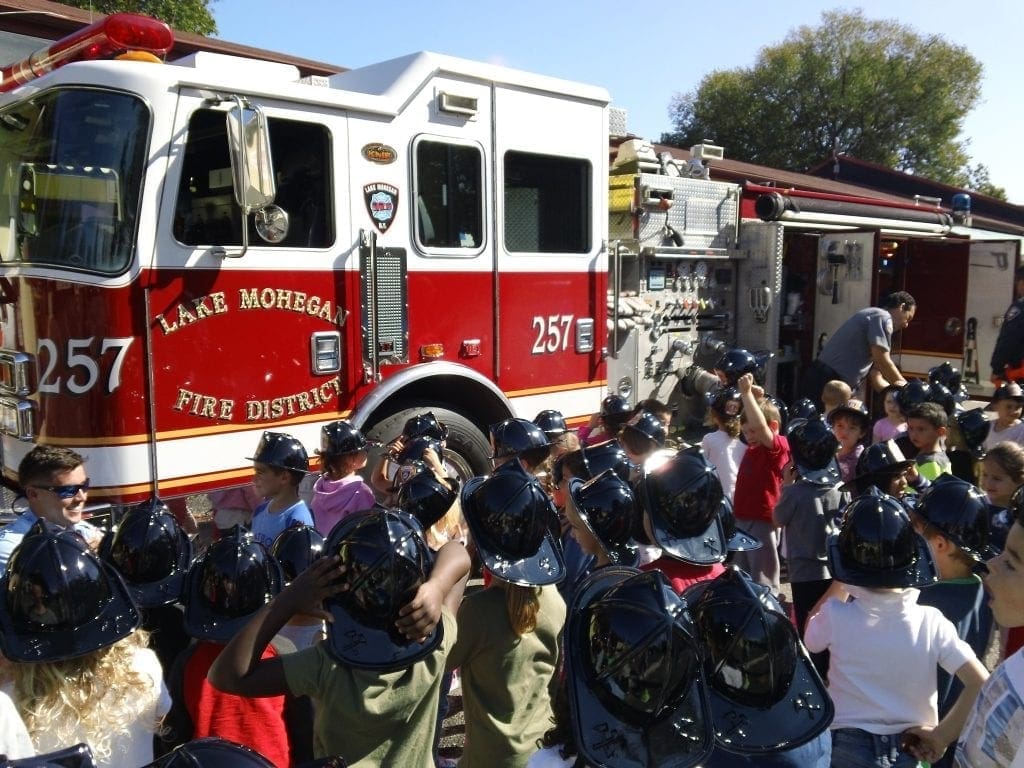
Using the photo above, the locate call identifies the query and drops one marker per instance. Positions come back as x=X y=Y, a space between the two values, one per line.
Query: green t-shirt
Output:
x=372 y=718
x=505 y=678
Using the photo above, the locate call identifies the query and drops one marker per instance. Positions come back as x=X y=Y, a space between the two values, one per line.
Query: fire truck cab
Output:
x=196 y=251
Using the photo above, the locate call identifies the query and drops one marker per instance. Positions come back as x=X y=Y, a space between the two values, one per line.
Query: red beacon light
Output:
x=121 y=34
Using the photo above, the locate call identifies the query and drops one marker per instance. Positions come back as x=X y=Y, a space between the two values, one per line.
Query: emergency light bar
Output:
x=116 y=35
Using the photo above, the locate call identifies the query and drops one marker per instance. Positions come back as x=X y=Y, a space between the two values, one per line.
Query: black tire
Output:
x=468 y=450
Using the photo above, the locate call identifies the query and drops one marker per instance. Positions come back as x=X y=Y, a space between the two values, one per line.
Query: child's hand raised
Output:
x=321 y=580
x=420 y=615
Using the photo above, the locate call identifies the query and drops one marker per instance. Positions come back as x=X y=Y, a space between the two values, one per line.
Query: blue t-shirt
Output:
x=266 y=525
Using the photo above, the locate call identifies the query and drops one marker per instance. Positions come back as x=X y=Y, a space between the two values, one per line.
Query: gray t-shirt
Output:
x=809 y=513
x=848 y=351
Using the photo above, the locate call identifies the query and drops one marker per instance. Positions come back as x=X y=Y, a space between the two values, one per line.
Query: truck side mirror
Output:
x=252 y=169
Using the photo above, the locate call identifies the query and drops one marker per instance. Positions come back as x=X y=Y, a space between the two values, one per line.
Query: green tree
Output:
x=184 y=15
x=876 y=90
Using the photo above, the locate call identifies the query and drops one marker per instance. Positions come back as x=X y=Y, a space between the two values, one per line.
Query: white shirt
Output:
x=14 y=738
x=994 y=734
x=884 y=650
x=725 y=453
x=1014 y=434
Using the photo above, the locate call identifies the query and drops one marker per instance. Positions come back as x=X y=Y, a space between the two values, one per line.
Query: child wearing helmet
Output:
x=280 y=464
x=953 y=517
x=606 y=423
x=340 y=490
x=80 y=667
x=508 y=648
x=884 y=647
x=994 y=734
x=808 y=510
x=375 y=679
x=1007 y=402
x=723 y=446
x=851 y=425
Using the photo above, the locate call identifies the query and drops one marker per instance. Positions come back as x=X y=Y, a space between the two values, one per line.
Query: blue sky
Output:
x=642 y=53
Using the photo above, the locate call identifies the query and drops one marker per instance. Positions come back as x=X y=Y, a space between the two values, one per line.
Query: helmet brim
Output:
x=118 y=618
x=741 y=541
x=921 y=574
x=827 y=475
x=680 y=739
x=704 y=548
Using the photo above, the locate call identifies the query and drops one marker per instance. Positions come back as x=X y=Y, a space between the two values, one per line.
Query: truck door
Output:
x=989 y=293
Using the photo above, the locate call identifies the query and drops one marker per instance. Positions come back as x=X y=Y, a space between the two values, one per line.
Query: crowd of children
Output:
x=628 y=608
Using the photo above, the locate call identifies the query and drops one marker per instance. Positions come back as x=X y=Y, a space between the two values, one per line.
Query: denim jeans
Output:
x=854 y=748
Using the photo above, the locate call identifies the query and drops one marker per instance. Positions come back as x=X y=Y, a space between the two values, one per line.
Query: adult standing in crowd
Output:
x=56 y=488
x=1009 y=349
x=863 y=342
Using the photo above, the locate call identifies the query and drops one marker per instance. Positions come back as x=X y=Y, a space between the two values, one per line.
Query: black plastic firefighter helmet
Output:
x=616 y=410
x=510 y=519
x=852 y=409
x=517 y=437
x=78 y=756
x=726 y=402
x=644 y=430
x=783 y=410
x=551 y=423
x=915 y=392
x=277 y=449
x=151 y=552
x=227 y=584
x=386 y=560
x=682 y=498
x=606 y=506
x=766 y=695
x=426 y=497
x=424 y=425
x=960 y=512
x=736 y=362
x=737 y=539
x=211 y=752
x=974 y=429
x=941 y=395
x=946 y=374
x=878 y=464
x=296 y=548
x=60 y=600
x=804 y=408
x=877 y=546
x=415 y=448
x=341 y=437
x=603 y=456
x=814 y=451
x=634 y=673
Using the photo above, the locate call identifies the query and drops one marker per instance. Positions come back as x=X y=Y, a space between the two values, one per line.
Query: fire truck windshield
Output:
x=72 y=164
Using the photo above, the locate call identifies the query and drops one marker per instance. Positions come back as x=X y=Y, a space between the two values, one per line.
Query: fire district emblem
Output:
x=382 y=203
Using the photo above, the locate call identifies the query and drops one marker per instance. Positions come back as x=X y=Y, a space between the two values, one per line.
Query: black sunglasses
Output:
x=65 y=491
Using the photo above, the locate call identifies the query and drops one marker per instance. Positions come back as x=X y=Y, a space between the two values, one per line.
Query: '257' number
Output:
x=552 y=333
x=80 y=355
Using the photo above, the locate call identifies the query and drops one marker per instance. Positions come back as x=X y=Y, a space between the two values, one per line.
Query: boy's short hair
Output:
x=768 y=408
x=933 y=413
x=654 y=406
x=836 y=392
x=43 y=462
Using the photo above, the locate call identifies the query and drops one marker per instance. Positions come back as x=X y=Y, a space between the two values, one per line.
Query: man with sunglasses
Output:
x=56 y=488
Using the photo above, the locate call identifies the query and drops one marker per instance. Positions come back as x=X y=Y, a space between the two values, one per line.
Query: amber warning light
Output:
x=116 y=35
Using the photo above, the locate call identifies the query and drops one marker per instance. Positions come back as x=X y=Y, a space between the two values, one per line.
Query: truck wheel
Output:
x=468 y=451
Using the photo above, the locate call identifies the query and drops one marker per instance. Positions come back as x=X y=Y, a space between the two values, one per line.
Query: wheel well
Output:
x=462 y=395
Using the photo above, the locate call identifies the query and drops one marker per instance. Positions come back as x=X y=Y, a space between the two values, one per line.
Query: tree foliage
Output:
x=876 y=90
x=184 y=15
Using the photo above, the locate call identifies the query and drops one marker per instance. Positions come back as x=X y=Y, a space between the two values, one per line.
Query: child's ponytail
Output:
x=522 y=604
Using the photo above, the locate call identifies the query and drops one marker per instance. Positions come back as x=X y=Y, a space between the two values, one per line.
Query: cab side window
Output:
x=547 y=204
x=207 y=213
x=449 y=195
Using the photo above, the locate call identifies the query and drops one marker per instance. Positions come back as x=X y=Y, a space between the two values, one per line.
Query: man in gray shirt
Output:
x=862 y=342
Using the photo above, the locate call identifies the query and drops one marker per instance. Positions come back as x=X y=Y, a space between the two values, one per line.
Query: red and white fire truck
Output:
x=196 y=251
